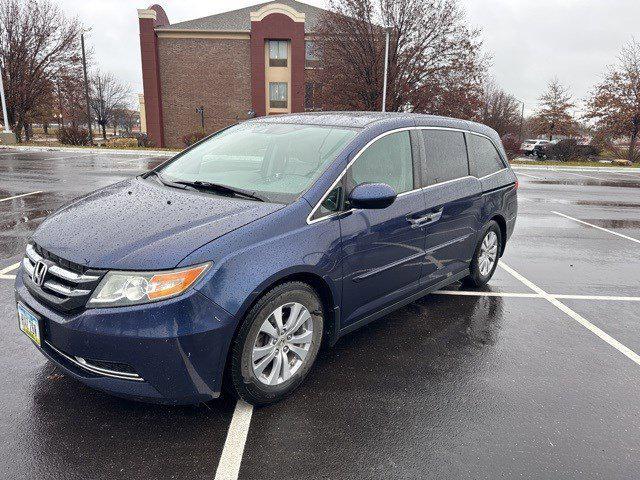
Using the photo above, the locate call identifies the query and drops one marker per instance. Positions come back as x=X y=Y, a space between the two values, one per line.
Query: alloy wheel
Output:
x=282 y=343
x=488 y=253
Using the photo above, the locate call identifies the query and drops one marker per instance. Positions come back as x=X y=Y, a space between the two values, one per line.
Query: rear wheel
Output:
x=277 y=344
x=485 y=257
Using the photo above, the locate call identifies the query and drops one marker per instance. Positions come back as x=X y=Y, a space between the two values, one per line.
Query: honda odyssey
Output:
x=234 y=261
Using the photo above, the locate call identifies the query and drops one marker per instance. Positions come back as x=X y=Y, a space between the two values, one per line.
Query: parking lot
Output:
x=537 y=376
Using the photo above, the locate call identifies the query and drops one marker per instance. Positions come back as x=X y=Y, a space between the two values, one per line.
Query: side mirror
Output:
x=372 y=195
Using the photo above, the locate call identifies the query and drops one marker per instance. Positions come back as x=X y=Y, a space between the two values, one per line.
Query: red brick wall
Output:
x=214 y=73
x=150 y=80
x=277 y=27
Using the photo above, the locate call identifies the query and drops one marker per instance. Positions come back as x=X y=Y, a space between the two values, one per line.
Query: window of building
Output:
x=446 y=156
x=310 y=54
x=312 y=96
x=278 y=96
x=278 y=53
x=387 y=160
x=484 y=156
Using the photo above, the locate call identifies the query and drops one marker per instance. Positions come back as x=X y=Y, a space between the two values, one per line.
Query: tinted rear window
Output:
x=446 y=156
x=484 y=155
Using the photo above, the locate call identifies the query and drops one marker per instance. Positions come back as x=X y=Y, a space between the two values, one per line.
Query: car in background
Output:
x=236 y=259
x=533 y=147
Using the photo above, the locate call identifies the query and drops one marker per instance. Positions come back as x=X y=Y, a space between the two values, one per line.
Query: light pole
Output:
x=386 y=69
x=4 y=106
x=521 y=120
x=86 y=88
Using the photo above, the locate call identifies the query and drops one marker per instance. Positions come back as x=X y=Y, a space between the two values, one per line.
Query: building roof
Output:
x=240 y=21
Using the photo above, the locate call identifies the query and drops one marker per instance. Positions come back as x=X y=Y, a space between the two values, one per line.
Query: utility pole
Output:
x=86 y=88
x=522 y=124
x=200 y=110
x=4 y=106
x=386 y=69
x=7 y=136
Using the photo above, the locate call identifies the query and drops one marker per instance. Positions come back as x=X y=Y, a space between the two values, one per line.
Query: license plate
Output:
x=29 y=323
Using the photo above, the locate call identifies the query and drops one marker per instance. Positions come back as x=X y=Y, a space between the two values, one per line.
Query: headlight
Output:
x=133 y=288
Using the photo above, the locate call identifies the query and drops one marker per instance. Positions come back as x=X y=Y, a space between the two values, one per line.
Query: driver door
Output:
x=383 y=250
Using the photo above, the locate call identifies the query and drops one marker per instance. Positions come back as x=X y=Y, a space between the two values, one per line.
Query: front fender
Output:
x=246 y=262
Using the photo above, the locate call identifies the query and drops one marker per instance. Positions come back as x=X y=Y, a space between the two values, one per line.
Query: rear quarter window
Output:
x=446 y=156
x=484 y=156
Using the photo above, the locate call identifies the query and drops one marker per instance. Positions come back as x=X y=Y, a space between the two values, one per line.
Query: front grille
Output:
x=61 y=284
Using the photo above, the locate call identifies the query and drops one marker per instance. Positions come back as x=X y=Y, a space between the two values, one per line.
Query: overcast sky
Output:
x=530 y=41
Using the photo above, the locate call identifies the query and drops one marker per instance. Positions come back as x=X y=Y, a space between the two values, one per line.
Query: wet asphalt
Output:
x=451 y=386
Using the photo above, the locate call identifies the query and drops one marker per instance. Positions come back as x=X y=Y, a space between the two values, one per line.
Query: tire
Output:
x=479 y=275
x=267 y=380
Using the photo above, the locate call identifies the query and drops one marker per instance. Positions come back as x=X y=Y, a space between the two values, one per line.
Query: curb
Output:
x=515 y=166
x=114 y=151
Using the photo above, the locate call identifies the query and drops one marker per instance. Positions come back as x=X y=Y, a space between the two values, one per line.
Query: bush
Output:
x=143 y=140
x=73 y=135
x=191 y=138
x=122 y=142
x=568 y=149
x=511 y=145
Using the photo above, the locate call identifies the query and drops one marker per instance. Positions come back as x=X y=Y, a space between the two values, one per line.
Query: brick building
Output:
x=257 y=59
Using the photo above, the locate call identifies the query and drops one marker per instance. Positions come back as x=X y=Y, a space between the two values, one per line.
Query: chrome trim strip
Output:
x=102 y=371
x=71 y=276
x=401 y=129
x=32 y=254
x=375 y=271
x=63 y=290
x=28 y=266
x=446 y=244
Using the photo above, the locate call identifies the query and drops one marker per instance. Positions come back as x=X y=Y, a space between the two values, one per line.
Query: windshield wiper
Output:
x=164 y=181
x=220 y=188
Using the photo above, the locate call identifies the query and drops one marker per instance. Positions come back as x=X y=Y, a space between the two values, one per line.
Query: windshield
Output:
x=275 y=161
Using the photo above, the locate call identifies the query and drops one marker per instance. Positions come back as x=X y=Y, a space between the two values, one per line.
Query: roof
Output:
x=240 y=21
x=367 y=119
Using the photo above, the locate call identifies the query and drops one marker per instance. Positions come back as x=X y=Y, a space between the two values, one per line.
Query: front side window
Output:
x=446 y=156
x=278 y=97
x=278 y=53
x=275 y=161
x=388 y=160
x=484 y=155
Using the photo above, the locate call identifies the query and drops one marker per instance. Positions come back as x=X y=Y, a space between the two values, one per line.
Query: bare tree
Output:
x=36 y=40
x=554 y=114
x=435 y=59
x=107 y=95
x=615 y=103
x=70 y=106
x=500 y=111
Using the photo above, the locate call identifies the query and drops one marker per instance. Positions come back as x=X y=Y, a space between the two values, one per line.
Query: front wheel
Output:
x=277 y=344
x=485 y=257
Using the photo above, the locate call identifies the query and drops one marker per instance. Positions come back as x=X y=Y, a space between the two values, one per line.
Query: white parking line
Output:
x=7 y=277
x=596 y=226
x=626 y=351
x=9 y=268
x=231 y=458
x=19 y=196
x=528 y=175
x=601 y=298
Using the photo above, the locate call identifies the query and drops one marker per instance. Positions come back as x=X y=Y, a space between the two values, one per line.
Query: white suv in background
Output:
x=529 y=146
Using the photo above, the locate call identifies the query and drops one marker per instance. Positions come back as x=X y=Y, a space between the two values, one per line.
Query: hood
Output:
x=139 y=224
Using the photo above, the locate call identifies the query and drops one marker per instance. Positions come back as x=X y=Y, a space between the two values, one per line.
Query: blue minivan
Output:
x=233 y=262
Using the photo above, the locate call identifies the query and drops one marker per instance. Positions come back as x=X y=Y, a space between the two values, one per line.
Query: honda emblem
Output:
x=39 y=272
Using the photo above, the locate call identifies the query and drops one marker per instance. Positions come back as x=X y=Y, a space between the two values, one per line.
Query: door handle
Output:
x=429 y=218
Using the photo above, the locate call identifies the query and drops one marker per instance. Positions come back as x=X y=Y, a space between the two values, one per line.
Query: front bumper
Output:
x=176 y=347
